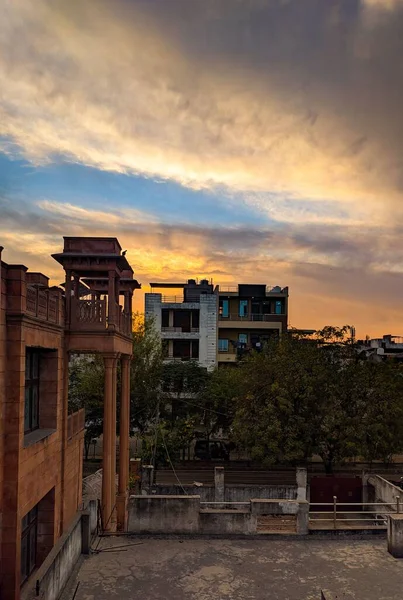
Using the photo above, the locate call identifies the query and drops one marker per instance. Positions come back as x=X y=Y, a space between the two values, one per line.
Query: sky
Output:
x=251 y=141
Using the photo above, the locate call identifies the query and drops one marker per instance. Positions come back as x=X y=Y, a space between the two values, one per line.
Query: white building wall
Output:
x=153 y=305
x=208 y=331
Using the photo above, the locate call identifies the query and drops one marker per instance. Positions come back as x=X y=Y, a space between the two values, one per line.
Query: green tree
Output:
x=86 y=390
x=314 y=396
x=146 y=373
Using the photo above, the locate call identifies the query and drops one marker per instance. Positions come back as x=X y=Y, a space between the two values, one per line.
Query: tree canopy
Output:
x=302 y=397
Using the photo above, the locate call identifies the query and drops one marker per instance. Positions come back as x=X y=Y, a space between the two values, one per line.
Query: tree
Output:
x=86 y=390
x=314 y=396
x=146 y=373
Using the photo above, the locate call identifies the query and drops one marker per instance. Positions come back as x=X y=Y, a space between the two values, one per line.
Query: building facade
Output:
x=216 y=325
x=248 y=316
x=187 y=321
x=41 y=444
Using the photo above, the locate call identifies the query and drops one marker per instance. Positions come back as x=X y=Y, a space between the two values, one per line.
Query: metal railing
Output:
x=251 y=317
x=173 y=299
x=341 y=519
x=180 y=330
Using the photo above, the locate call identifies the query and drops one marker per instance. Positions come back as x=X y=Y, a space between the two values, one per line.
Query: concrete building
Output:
x=388 y=347
x=248 y=315
x=187 y=321
x=41 y=445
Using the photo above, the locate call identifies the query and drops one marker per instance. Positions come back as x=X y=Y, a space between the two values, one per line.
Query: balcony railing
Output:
x=91 y=315
x=173 y=299
x=251 y=317
x=45 y=305
x=234 y=289
x=180 y=330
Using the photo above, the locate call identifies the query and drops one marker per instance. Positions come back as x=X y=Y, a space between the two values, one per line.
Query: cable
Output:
x=204 y=407
x=170 y=462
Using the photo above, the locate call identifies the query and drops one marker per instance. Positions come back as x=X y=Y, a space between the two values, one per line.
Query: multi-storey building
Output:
x=248 y=316
x=216 y=325
x=41 y=444
x=187 y=321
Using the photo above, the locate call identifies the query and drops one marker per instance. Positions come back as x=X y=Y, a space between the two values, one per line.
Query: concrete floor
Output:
x=201 y=569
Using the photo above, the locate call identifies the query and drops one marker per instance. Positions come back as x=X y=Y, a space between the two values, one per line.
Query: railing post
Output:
x=335 y=512
x=398 y=504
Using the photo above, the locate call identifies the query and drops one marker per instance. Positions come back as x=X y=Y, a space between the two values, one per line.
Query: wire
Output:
x=170 y=462
x=204 y=407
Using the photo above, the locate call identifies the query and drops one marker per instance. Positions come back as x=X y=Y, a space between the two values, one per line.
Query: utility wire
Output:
x=170 y=462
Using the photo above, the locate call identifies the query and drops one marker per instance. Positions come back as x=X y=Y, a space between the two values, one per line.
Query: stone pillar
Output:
x=106 y=502
x=395 y=535
x=113 y=436
x=111 y=300
x=124 y=445
x=171 y=318
x=303 y=518
x=219 y=485
x=301 y=483
x=147 y=474
x=76 y=287
x=67 y=288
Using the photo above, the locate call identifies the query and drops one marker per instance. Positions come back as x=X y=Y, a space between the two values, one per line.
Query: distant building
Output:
x=389 y=347
x=216 y=325
x=248 y=316
x=187 y=321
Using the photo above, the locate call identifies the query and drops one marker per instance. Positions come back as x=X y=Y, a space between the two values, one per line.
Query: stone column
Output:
x=395 y=535
x=107 y=444
x=67 y=288
x=124 y=445
x=147 y=475
x=219 y=486
x=301 y=483
x=111 y=300
x=113 y=436
x=76 y=287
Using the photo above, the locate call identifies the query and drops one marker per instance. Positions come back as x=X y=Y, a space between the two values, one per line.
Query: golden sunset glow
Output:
x=242 y=140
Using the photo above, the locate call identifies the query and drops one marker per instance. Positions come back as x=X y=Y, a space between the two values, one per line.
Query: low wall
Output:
x=222 y=522
x=164 y=514
x=53 y=574
x=183 y=515
x=232 y=493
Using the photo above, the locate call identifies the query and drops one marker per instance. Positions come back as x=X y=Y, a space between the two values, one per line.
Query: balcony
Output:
x=91 y=315
x=252 y=317
x=46 y=305
x=227 y=357
x=180 y=331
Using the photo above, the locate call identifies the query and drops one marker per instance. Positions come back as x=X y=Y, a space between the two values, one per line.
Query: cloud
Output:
x=336 y=274
x=296 y=98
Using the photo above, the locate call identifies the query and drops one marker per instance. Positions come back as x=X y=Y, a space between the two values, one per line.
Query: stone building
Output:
x=41 y=445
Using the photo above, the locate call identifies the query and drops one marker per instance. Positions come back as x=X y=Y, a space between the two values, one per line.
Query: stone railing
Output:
x=92 y=315
x=45 y=305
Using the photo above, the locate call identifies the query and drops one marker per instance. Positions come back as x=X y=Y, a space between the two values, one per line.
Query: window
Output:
x=31 y=414
x=243 y=308
x=243 y=338
x=279 y=307
x=224 y=307
x=29 y=534
x=223 y=345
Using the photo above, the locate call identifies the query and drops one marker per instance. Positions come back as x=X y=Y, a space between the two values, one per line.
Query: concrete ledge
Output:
x=53 y=574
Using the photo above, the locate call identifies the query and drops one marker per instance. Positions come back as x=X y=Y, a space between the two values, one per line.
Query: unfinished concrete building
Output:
x=187 y=320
